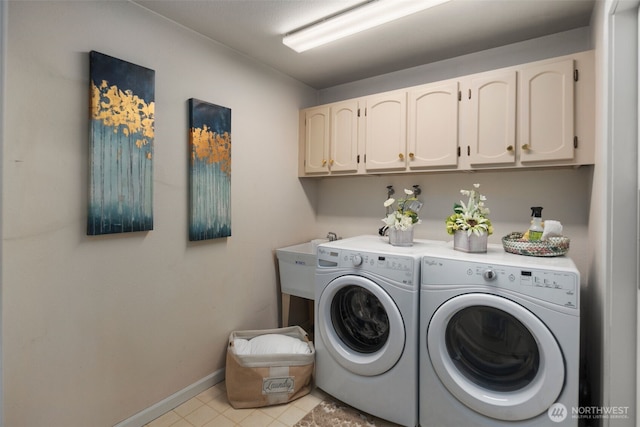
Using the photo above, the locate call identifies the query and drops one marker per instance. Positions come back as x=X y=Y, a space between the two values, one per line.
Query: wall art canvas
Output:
x=121 y=149
x=209 y=170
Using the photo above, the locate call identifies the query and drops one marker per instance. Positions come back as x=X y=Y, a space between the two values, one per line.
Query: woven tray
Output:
x=553 y=246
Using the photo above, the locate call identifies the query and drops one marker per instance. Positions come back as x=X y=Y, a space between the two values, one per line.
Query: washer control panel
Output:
x=398 y=268
x=557 y=286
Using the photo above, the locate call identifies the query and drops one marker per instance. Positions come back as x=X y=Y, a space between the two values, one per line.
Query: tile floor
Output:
x=212 y=409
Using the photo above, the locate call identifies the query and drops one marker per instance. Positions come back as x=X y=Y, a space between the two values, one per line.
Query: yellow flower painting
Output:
x=122 y=114
x=209 y=170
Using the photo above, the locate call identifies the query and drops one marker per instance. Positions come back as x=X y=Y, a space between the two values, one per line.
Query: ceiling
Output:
x=255 y=28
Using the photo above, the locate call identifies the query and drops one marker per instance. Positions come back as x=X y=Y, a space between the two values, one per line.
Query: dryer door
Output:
x=360 y=325
x=495 y=356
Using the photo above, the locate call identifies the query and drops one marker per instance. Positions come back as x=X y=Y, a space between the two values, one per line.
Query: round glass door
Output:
x=360 y=325
x=495 y=356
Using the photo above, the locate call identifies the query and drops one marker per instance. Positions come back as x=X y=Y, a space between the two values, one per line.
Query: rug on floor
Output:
x=332 y=413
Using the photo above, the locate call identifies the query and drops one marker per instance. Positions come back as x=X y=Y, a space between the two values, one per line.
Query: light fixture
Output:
x=354 y=20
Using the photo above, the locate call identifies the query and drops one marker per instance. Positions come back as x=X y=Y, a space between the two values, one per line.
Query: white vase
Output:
x=401 y=237
x=470 y=243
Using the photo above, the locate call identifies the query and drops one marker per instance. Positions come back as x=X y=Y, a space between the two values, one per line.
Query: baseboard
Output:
x=151 y=413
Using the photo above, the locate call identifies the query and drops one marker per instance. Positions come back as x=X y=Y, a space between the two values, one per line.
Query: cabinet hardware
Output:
x=411 y=156
x=575 y=75
x=358 y=112
x=469 y=93
x=575 y=142
x=525 y=147
x=509 y=148
x=459 y=95
x=331 y=162
x=358 y=158
x=401 y=156
x=324 y=162
x=468 y=150
x=459 y=151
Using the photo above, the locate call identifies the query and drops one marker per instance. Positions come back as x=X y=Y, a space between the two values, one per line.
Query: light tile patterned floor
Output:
x=212 y=409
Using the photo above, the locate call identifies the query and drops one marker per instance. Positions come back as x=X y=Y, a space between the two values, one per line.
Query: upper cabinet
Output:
x=331 y=139
x=546 y=112
x=432 y=126
x=316 y=149
x=386 y=131
x=343 y=151
x=490 y=124
x=532 y=115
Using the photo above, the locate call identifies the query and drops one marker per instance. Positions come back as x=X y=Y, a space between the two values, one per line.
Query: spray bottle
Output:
x=535 y=231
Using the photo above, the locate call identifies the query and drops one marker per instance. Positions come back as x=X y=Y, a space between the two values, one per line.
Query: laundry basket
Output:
x=256 y=380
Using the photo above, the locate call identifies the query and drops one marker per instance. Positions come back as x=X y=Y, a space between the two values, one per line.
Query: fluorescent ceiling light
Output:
x=355 y=20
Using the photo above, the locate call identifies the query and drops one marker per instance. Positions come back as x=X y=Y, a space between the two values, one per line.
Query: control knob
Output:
x=489 y=275
x=357 y=260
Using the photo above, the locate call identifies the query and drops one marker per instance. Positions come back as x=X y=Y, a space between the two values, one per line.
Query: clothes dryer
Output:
x=366 y=325
x=499 y=339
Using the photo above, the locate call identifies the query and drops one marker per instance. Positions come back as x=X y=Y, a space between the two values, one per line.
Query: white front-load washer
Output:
x=366 y=325
x=499 y=339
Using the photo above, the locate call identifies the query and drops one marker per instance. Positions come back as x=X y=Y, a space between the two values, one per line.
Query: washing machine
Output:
x=499 y=339
x=366 y=325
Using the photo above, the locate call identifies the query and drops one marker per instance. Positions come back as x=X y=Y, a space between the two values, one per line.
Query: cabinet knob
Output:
x=525 y=146
x=401 y=156
x=331 y=162
x=324 y=162
x=411 y=156
x=510 y=148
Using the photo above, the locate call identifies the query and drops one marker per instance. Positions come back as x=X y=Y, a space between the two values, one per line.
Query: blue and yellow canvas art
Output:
x=209 y=170
x=121 y=152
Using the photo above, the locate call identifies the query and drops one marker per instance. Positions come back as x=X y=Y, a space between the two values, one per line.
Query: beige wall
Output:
x=96 y=329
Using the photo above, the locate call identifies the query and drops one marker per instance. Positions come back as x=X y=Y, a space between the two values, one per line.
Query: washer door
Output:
x=495 y=356
x=360 y=325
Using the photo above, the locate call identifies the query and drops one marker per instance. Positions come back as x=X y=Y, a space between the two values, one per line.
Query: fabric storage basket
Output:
x=256 y=380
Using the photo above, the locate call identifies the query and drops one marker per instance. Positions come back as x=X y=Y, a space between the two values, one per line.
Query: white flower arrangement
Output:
x=472 y=216
x=406 y=214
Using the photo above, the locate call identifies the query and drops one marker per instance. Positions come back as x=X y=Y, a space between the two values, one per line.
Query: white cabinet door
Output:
x=386 y=131
x=317 y=140
x=344 y=137
x=432 y=128
x=492 y=121
x=546 y=112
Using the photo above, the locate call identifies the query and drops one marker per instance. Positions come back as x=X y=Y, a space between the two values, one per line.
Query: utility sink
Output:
x=297 y=269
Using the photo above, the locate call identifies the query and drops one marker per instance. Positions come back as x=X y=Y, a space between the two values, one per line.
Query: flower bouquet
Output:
x=401 y=219
x=469 y=223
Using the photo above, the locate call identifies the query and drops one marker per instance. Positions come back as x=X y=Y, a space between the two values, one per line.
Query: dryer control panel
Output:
x=557 y=286
x=397 y=268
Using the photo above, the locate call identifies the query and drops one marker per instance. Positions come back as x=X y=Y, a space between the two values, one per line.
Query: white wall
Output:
x=354 y=205
x=96 y=329
x=505 y=56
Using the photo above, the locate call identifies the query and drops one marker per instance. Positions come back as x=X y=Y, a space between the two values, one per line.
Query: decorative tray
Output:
x=553 y=246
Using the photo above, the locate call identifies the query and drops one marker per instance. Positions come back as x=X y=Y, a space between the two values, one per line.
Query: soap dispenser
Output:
x=535 y=231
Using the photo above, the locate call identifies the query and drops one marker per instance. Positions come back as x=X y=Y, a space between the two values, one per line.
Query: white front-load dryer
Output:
x=366 y=325
x=499 y=340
